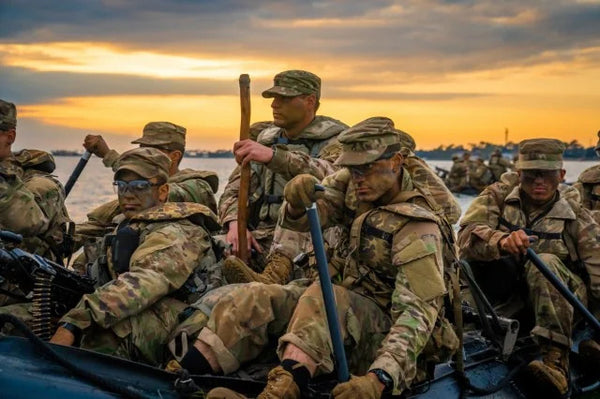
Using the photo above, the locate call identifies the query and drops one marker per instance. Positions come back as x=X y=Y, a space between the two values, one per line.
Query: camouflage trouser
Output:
x=553 y=314
x=21 y=310
x=242 y=322
x=141 y=338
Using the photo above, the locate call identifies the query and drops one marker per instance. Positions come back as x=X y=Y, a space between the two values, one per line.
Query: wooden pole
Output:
x=245 y=170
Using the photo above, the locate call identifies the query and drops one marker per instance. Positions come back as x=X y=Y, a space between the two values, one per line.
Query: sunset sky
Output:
x=445 y=71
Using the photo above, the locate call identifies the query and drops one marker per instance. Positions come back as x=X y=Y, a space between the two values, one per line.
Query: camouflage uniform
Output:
x=32 y=200
x=132 y=312
x=312 y=151
x=185 y=185
x=568 y=237
x=480 y=175
x=498 y=164
x=588 y=185
x=458 y=178
x=389 y=288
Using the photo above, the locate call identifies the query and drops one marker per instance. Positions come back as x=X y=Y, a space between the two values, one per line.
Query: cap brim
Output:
x=150 y=142
x=281 y=91
x=135 y=169
x=350 y=158
x=539 y=164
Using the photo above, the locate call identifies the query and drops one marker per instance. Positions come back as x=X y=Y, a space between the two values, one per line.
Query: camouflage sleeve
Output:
x=110 y=160
x=588 y=248
x=193 y=190
x=478 y=236
x=416 y=300
x=19 y=211
x=292 y=163
x=228 y=202
x=330 y=205
x=159 y=266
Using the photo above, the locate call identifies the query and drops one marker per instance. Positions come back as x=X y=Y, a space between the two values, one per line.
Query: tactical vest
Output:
x=117 y=248
x=267 y=199
x=554 y=227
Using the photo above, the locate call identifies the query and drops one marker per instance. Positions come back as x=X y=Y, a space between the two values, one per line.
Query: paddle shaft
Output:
x=77 y=171
x=242 y=218
x=564 y=291
x=328 y=296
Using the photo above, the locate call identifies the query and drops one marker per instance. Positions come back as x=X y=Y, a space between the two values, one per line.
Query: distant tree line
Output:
x=484 y=150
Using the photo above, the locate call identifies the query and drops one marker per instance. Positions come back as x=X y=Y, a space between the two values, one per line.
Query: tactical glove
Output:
x=300 y=191
x=363 y=387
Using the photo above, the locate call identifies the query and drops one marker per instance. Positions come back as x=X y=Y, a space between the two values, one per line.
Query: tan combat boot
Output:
x=277 y=270
x=280 y=385
x=551 y=372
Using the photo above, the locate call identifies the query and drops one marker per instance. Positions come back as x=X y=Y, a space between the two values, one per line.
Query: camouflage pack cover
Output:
x=591 y=175
x=35 y=159
x=186 y=174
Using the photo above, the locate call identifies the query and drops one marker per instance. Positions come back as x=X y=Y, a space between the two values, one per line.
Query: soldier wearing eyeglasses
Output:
x=533 y=209
x=149 y=270
x=588 y=185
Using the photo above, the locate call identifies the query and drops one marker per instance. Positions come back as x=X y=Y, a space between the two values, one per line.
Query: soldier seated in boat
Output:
x=533 y=204
x=32 y=200
x=154 y=264
x=186 y=185
x=390 y=292
x=588 y=185
x=498 y=164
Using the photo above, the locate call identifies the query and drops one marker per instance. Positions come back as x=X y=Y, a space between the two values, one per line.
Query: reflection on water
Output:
x=94 y=185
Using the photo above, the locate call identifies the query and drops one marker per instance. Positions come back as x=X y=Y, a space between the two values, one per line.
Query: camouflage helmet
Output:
x=8 y=115
x=369 y=140
x=541 y=154
x=147 y=162
x=294 y=83
x=165 y=135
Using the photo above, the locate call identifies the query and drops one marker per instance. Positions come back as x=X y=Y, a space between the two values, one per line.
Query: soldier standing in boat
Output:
x=391 y=291
x=588 y=185
x=299 y=141
x=532 y=204
x=148 y=271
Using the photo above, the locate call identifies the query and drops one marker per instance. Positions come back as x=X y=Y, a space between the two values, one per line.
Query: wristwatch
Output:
x=384 y=378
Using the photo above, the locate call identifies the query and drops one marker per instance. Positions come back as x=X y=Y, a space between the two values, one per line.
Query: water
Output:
x=94 y=186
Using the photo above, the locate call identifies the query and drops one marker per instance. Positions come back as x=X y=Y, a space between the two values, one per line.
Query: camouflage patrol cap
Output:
x=147 y=162
x=8 y=115
x=541 y=154
x=369 y=140
x=294 y=83
x=165 y=135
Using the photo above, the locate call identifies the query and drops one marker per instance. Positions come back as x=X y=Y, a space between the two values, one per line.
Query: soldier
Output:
x=150 y=268
x=529 y=204
x=480 y=175
x=458 y=178
x=588 y=185
x=390 y=296
x=32 y=201
x=498 y=164
x=298 y=142
x=187 y=185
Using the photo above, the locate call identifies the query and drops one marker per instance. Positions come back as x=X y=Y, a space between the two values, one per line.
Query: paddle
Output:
x=327 y=290
x=564 y=291
x=242 y=218
x=76 y=172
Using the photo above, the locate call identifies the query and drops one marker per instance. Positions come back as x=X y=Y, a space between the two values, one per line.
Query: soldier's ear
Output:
x=163 y=193
x=12 y=135
x=397 y=161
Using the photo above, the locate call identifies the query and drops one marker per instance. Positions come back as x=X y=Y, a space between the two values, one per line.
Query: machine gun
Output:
x=51 y=289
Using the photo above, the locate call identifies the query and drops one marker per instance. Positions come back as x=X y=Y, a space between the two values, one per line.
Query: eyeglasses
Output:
x=530 y=175
x=134 y=186
x=363 y=170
